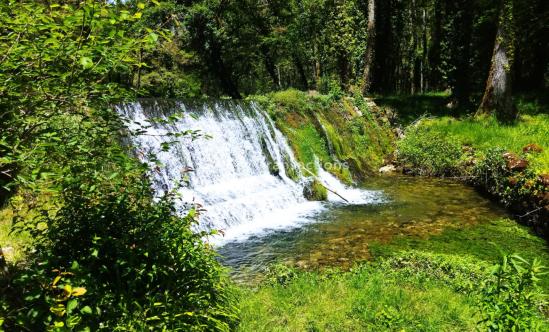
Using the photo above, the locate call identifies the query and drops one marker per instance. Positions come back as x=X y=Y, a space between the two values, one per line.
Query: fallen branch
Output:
x=529 y=213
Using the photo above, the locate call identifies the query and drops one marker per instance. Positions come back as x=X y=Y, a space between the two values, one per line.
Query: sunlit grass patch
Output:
x=374 y=297
x=485 y=133
x=12 y=244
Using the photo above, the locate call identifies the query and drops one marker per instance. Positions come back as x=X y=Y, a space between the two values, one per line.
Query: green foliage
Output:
x=485 y=133
x=104 y=253
x=250 y=47
x=491 y=171
x=510 y=298
x=58 y=61
x=429 y=152
x=169 y=84
x=373 y=296
x=489 y=155
x=293 y=100
x=309 y=145
x=280 y=274
x=476 y=245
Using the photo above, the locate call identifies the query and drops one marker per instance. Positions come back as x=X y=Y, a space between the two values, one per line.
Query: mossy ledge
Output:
x=346 y=136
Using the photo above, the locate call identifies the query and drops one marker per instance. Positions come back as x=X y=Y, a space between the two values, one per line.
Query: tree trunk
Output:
x=423 y=84
x=434 y=54
x=457 y=52
x=270 y=65
x=497 y=95
x=370 y=51
x=343 y=69
x=301 y=71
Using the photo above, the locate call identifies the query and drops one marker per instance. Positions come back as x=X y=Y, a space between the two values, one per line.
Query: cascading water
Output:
x=240 y=173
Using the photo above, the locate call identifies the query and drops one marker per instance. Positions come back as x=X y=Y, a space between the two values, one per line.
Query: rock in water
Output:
x=388 y=169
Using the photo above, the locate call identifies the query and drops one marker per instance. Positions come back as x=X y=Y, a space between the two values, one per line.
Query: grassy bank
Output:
x=508 y=161
x=483 y=134
x=413 y=284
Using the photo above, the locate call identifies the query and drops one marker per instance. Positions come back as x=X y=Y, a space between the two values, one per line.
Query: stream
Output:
x=341 y=234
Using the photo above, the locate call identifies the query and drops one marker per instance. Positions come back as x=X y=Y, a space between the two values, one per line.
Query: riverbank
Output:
x=509 y=162
x=433 y=283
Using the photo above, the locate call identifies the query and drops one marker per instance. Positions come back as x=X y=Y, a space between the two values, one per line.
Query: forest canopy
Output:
x=244 y=47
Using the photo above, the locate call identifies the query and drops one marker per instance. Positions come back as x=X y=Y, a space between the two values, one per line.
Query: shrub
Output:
x=291 y=99
x=428 y=152
x=140 y=264
x=106 y=254
x=491 y=172
x=510 y=298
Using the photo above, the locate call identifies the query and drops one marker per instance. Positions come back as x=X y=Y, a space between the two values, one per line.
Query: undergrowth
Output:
x=409 y=290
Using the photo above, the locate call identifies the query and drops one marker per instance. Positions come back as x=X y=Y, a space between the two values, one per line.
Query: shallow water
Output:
x=340 y=235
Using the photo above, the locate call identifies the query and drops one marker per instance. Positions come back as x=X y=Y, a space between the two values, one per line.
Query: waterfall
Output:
x=240 y=171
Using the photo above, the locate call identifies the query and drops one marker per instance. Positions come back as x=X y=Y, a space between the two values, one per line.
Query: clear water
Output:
x=341 y=234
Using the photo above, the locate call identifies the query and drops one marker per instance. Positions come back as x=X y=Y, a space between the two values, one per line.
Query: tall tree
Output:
x=497 y=95
x=370 y=47
x=435 y=71
x=457 y=49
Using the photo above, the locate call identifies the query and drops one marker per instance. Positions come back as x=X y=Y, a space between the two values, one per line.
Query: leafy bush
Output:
x=510 y=298
x=105 y=253
x=280 y=274
x=428 y=152
x=491 y=171
x=291 y=99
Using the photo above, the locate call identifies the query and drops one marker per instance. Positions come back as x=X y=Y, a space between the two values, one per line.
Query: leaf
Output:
x=71 y=305
x=153 y=37
x=58 y=310
x=86 y=62
x=41 y=226
x=86 y=310
x=56 y=280
x=141 y=5
x=79 y=291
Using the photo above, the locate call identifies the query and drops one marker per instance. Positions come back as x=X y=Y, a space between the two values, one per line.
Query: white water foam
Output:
x=233 y=176
x=346 y=194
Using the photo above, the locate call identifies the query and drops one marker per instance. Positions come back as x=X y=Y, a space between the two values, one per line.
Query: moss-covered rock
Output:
x=315 y=191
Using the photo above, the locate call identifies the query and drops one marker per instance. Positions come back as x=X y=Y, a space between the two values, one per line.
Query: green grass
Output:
x=368 y=299
x=414 y=284
x=410 y=108
x=482 y=242
x=485 y=133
